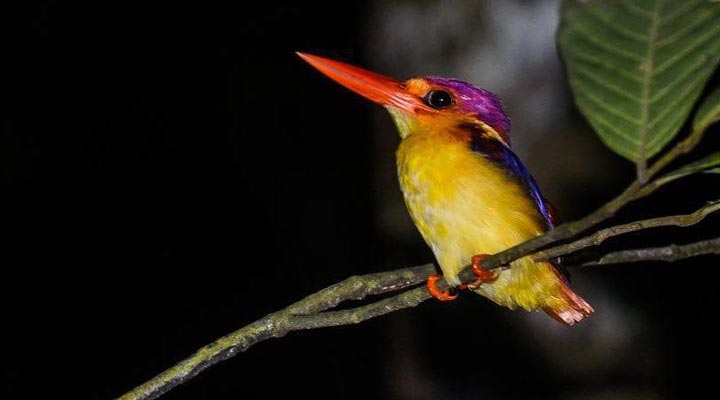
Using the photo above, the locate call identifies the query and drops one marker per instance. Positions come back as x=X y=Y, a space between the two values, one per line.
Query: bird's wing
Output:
x=503 y=155
x=513 y=163
x=546 y=209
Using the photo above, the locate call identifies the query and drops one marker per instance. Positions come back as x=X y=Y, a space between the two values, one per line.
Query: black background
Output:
x=171 y=173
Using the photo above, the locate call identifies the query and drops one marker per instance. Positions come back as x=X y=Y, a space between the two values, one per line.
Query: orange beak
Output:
x=375 y=87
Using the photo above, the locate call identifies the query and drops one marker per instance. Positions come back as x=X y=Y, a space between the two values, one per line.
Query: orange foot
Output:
x=442 y=295
x=481 y=273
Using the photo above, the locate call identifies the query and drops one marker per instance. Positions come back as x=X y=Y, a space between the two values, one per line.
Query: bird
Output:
x=467 y=192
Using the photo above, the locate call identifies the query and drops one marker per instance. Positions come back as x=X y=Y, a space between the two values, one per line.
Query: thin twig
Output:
x=359 y=287
x=683 y=147
x=407 y=299
x=600 y=236
x=669 y=253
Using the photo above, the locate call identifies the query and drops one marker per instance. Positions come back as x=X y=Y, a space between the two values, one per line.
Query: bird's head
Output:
x=424 y=104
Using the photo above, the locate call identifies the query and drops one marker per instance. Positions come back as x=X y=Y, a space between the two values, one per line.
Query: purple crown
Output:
x=485 y=104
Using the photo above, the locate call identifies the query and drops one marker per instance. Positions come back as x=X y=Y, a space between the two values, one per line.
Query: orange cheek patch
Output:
x=417 y=86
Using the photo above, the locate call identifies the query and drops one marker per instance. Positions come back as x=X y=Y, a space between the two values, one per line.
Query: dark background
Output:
x=171 y=173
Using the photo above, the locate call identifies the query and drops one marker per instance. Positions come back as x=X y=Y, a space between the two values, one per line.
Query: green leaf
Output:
x=636 y=67
x=707 y=165
x=709 y=111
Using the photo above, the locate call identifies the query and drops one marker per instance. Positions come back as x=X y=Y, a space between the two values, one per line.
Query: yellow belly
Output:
x=464 y=205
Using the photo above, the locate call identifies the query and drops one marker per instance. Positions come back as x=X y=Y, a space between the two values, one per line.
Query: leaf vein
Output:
x=686 y=29
x=602 y=18
x=680 y=11
x=688 y=89
x=670 y=87
x=610 y=110
x=604 y=46
x=647 y=71
x=618 y=133
x=688 y=50
x=634 y=9
x=616 y=90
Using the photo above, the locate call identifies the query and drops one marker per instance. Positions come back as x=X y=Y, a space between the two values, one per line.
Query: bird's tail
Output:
x=573 y=309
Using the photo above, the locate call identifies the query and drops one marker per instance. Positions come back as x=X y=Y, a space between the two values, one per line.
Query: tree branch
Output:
x=669 y=253
x=359 y=287
x=600 y=236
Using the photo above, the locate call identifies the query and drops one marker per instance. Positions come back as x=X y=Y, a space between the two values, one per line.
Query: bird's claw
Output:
x=442 y=295
x=481 y=273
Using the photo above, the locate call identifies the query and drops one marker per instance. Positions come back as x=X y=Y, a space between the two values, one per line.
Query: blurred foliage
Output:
x=637 y=67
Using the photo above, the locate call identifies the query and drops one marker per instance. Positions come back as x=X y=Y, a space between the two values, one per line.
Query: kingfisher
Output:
x=467 y=192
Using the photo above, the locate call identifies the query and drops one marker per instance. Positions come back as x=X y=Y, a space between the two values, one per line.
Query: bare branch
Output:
x=407 y=299
x=600 y=236
x=359 y=287
x=669 y=253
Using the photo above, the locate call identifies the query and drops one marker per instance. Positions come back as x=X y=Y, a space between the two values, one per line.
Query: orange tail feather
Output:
x=575 y=310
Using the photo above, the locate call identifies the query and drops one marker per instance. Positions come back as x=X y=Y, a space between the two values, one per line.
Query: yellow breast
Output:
x=464 y=204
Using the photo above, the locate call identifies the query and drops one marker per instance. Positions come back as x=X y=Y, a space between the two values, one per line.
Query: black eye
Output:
x=438 y=99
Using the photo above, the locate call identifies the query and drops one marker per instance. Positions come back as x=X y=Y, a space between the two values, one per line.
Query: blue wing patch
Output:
x=518 y=170
x=504 y=156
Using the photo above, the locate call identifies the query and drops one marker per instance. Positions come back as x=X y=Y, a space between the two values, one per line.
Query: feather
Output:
x=503 y=155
